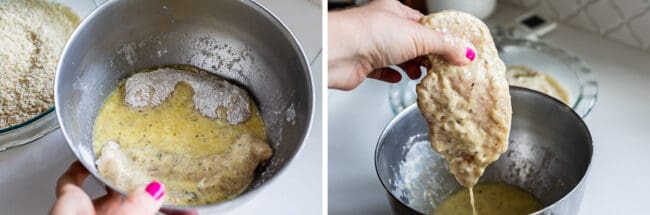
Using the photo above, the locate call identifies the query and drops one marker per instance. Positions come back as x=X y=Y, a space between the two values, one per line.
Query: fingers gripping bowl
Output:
x=238 y=40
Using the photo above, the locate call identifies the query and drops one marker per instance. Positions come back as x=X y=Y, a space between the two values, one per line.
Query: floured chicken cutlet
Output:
x=218 y=177
x=467 y=107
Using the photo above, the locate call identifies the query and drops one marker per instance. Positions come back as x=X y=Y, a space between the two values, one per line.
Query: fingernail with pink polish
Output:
x=470 y=54
x=155 y=189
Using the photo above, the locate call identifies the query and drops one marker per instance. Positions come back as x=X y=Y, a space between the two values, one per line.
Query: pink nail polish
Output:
x=155 y=189
x=470 y=54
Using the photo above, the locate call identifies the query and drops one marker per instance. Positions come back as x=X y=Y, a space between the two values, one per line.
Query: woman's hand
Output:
x=363 y=41
x=71 y=199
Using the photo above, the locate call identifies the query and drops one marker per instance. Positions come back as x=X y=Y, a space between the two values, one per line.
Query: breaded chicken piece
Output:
x=467 y=107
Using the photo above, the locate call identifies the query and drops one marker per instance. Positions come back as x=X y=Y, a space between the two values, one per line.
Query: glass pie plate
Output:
x=43 y=123
x=569 y=70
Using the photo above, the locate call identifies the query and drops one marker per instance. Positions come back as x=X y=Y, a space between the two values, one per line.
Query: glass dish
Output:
x=569 y=70
x=44 y=123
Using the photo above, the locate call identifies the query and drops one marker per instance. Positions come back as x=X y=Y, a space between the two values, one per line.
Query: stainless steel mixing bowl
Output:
x=238 y=40
x=549 y=153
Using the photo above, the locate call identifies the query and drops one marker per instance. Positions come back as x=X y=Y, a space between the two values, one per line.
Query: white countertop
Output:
x=28 y=174
x=619 y=175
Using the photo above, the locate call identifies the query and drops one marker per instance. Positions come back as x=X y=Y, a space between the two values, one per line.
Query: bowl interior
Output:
x=548 y=154
x=238 y=40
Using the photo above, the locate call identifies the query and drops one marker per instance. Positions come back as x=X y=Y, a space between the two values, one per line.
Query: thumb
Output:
x=453 y=49
x=145 y=199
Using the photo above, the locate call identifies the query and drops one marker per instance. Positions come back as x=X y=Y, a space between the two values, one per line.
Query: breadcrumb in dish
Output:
x=32 y=36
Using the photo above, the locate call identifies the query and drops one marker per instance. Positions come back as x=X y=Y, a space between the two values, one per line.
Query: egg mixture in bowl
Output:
x=196 y=133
